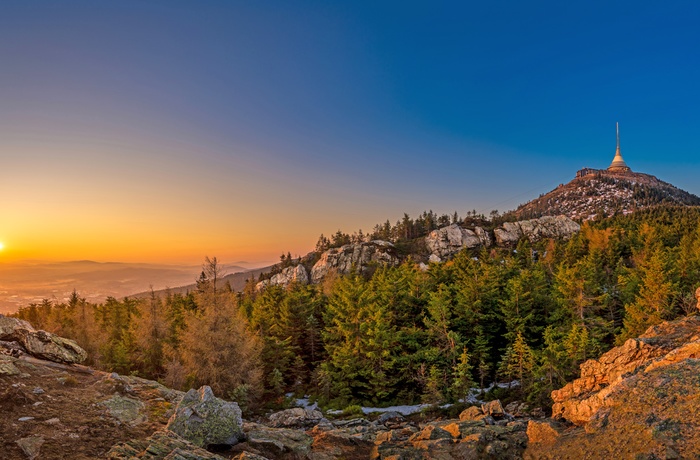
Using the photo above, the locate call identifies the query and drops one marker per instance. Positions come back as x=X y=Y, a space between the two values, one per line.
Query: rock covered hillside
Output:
x=598 y=192
x=439 y=245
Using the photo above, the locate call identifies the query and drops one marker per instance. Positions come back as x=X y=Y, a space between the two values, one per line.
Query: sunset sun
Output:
x=2 y=246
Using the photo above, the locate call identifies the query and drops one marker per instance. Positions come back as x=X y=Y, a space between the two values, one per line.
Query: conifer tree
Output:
x=653 y=303
x=462 y=381
x=518 y=362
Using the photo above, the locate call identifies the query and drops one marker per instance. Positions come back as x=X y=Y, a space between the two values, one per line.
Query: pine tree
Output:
x=653 y=303
x=359 y=342
x=462 y=381
x=518 y=362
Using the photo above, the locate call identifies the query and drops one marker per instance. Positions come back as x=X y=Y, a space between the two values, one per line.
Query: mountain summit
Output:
x=604 y=192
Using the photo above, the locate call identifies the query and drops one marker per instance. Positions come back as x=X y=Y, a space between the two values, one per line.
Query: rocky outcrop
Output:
x=445 y=242
x=359 y=256
x=289 y=275
x=638 y=400
x=535 y=230
x=448 y=241
x=205 y=420
x=40 y=344
x=597 y=388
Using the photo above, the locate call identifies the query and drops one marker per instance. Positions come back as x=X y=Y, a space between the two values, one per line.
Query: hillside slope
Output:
x=603 y=193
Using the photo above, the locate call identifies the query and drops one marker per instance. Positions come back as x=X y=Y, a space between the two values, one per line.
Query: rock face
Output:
x=639 y=400
x=448 y=241
x=597 y=388
x=287 y=276
x=360 y=255
x=535 y=230
x=205 y=420
x=40 y=344
x=445 y=242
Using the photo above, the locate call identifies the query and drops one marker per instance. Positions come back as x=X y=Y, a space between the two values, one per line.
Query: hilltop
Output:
x=599 y=193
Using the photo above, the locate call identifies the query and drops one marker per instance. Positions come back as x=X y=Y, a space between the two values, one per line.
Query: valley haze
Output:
x=25 y=282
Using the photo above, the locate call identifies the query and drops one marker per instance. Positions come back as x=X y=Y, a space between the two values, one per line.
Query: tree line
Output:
x=530 y=314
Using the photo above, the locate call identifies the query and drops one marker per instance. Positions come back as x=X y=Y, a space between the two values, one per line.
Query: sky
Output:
x=164 y=131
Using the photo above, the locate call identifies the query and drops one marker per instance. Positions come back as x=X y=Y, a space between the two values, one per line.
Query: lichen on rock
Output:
x=204 y=420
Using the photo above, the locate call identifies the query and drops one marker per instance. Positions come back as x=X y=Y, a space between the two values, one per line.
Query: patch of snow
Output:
x=305 y=403
x=403 y=410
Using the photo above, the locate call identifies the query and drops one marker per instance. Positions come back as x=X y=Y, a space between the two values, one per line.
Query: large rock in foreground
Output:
x=40 y=344
x=640 y=400
x=358 y=256
x=205 y=420
x=667 y=343
x=161 y=445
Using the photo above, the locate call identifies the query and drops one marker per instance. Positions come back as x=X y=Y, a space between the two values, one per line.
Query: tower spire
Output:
x=618 y=164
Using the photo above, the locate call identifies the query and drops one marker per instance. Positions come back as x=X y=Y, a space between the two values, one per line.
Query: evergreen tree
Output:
x=518 y=363
x=462 y=381
x=653 y=303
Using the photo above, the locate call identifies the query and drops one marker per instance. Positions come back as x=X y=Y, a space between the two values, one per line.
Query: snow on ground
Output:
x=472 y=398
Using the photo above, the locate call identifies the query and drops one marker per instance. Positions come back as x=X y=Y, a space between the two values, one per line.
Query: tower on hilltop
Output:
x=618 y=164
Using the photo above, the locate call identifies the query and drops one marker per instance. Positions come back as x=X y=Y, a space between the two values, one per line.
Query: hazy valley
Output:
x=22 y=283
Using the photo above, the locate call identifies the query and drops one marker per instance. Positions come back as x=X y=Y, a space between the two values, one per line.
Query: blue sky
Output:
x=314 y=116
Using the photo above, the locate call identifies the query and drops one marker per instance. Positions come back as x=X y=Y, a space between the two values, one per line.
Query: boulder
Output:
x=448 y=241
x=471 y=413
x=40 y=344
x=7 y=366
x=359 y=256
x=337 y=444
x=517 y=409
x=493 y=408
x=535 y=230
x=295 y=418
x=431 y=433
x=276 y=442
x=390 y=417
x=205 y=420
x=161 y=445
x=126 y=410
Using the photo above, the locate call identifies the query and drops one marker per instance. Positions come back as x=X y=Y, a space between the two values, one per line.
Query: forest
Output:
x=530 y=315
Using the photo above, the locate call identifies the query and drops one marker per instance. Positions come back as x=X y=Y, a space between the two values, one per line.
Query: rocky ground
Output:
x=637 y=401
x=57 y=413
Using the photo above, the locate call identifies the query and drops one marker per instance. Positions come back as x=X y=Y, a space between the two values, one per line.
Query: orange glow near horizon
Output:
x=141 y=203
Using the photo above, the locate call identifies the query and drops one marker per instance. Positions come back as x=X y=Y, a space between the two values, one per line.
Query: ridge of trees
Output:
x=401 y=335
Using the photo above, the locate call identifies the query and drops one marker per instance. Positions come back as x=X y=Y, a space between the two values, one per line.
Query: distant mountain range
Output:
x=25 y=282
x=595 y=192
